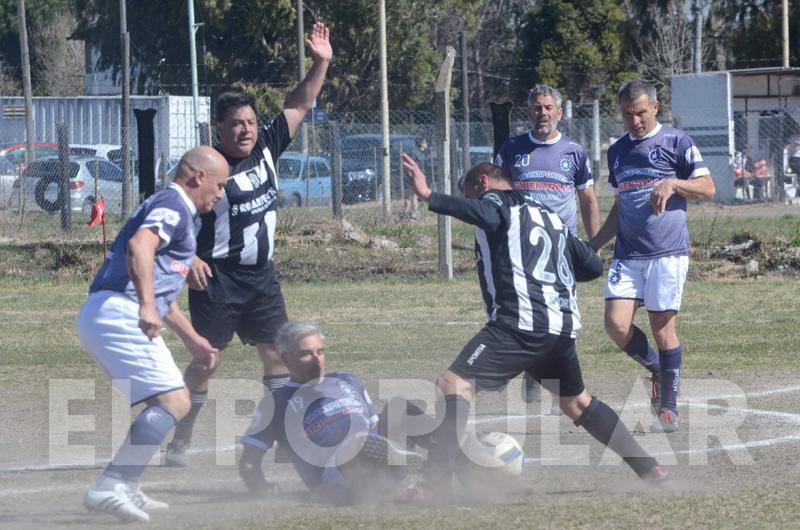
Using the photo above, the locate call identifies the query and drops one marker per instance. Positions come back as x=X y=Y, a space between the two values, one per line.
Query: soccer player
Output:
x=132 y=295
x=553 y=169
x=653 y=170
x=234 y=285
x=334 y=437
x=528 y=264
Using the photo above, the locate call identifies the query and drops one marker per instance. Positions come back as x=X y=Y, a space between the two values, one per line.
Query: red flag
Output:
x=98 y=214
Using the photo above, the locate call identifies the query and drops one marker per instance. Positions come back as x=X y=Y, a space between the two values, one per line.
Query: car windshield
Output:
x=48 y=168
x=289 y=168
x=17 y=156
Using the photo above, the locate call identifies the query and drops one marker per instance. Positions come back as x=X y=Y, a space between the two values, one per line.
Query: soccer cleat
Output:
x=658 y=476
x=176 y=454
x=381 y=450
x=114 y=502
x=655 y=393
x=667 y=421
x=531 y=389
x=142 y=501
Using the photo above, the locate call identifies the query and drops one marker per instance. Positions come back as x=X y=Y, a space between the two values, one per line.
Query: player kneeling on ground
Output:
x=328 y=424
x=528 y=264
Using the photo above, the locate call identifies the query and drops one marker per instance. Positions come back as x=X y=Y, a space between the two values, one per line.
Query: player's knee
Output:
x=618 y=331
x=573 y=406
x=452 y=384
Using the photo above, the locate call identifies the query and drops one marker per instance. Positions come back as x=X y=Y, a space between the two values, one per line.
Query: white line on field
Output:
x=488 y=419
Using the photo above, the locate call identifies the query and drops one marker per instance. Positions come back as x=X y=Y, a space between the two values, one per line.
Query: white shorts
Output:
x=108 y=327
x=657 y=282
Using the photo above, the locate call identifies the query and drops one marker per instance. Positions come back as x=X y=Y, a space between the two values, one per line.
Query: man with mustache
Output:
x=552 y=169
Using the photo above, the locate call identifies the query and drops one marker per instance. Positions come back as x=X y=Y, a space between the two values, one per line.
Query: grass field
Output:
x=740 y=332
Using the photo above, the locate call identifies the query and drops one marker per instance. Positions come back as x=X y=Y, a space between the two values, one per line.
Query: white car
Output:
x=40 y=184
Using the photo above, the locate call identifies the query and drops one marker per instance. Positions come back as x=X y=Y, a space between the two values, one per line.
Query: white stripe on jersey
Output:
x=486 y=255
x=525 y=321
x=554 y=219
x=222 y=229
x=249 y=253
x=555 y=318
x=271 y=165
x=536 y=215
x=271 y=219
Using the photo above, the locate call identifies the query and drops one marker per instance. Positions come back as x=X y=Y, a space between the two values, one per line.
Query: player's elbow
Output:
x=589 y=270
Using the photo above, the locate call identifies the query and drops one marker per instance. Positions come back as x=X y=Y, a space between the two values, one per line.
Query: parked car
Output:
x=362 y=171
x=8 y=174
x=40 y=184
x=15 y=153
x=302 y=180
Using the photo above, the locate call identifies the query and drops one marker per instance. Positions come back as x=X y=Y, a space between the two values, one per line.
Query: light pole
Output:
x=597 y=91
x=193 y=60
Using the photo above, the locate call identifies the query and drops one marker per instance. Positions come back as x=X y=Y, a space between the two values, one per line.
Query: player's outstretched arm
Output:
x=418 y=180
x=299 y=101
x=204 y=356
x=141 y=254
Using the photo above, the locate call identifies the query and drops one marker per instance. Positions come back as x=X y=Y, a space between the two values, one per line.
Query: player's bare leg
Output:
x=196 y=378
x=275 y=372
x=670 y=352
x=618 y=321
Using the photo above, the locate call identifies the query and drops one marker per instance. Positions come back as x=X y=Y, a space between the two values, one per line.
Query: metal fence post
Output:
x=63 y=181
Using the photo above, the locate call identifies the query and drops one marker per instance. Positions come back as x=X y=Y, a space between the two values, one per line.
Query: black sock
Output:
x=444 y=442
x=397 y=428
x=184 y=428
x=604 y=425
x=670 y=377
x=642 y=352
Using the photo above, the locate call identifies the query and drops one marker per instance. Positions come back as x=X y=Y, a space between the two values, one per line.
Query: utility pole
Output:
x=785 y=33
x=301 y=72
x=385 y=162
x=193 y=60
x=698 y=39
x=127 y=180
x=597 y=91
x=26 y=84
x=466 y=162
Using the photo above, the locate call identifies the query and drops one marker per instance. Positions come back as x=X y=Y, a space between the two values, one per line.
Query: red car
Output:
x=15 y=153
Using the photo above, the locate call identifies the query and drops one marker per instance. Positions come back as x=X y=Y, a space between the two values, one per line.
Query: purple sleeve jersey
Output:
x=172 y=214
x=636 y=166
x=548 y=172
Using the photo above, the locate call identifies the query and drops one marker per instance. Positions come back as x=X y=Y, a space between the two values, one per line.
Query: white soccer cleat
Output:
x=142 y=501
x=114 y=502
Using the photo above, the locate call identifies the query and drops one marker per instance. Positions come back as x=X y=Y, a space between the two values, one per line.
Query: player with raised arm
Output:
x=528 y=265
x=653 y=170
x=553 y=169
x=233 y=281
x=131 y=297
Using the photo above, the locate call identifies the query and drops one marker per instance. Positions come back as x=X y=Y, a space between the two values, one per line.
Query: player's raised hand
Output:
x=199 y=273
x=660 y=195
x=416 y=177
x=318 y=42
x=149 y=321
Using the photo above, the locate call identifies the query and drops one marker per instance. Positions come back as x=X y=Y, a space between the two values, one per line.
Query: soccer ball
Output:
x=493 y=454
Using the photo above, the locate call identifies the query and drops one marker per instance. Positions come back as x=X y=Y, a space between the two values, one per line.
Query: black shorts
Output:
x=495 y=355
x=255 y=317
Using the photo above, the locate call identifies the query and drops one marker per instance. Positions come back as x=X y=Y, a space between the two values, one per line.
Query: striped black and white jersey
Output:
x=528 y=260
x=240 y=230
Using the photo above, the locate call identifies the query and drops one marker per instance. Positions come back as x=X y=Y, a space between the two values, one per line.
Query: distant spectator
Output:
x=794 y=157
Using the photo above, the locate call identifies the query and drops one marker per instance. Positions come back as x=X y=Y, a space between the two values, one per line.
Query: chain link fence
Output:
x=764 y=166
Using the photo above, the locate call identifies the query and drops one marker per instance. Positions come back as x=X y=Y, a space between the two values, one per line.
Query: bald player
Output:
x=131 y=297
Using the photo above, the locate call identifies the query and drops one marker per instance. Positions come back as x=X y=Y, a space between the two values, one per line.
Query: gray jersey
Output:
x=172 y=214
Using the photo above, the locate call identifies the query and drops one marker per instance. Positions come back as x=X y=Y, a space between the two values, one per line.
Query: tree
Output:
x=572 y=45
